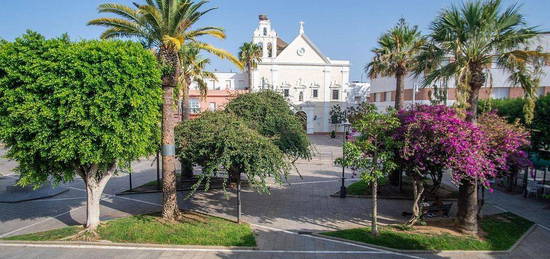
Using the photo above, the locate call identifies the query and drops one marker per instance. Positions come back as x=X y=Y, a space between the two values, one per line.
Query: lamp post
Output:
x=343 y=190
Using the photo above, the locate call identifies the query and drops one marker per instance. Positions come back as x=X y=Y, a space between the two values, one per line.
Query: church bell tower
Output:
x=266 y=37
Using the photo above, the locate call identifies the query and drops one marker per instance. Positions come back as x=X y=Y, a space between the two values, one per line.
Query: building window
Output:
x=194 y=105
x=227 y=84
x=265 y=31
x=301 y=97
x=286 y=92
x=357 y=99
x=315 y=93
x=500 y=93
x=540 y=92
x=335 y=94
x=388 y=97
x=212 y=106
x=373 y=97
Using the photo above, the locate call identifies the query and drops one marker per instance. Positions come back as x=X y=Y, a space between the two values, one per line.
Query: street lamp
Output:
x=346 y=125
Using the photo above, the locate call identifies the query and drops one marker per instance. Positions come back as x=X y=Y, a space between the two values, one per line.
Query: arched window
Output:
x=301 y=97
x=265 y=31
x=269 y=49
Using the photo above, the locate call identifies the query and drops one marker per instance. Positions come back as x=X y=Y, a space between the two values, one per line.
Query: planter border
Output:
x=486 y=252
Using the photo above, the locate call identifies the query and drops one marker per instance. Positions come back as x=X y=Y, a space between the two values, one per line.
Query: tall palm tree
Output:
x=193 y=69
x=396 y=56
x=250 y=54
x=165 y=25
x=465 y=42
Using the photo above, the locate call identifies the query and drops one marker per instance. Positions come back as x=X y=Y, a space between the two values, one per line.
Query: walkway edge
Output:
x=501 y=252
x=124 y=245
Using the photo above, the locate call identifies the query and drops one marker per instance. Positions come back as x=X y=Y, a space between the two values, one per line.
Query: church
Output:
x=311 y=81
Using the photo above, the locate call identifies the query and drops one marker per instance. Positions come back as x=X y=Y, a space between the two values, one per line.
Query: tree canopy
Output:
x=81 y=108
x=222 y=141
x=270 y=114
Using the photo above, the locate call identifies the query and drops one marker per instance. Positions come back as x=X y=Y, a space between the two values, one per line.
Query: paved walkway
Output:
x=280 y=220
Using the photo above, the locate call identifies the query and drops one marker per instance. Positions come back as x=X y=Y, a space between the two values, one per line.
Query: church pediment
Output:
x=302 y=50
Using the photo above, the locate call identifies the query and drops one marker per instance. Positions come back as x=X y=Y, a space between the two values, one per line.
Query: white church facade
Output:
x=311 y=81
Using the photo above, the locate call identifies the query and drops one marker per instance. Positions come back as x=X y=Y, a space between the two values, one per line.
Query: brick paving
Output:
x=280 y=220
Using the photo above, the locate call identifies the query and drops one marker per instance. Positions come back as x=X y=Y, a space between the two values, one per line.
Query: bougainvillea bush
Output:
x=506 y=142
x=436 y=137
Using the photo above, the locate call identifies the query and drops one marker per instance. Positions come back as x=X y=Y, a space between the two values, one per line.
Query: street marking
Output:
x=60 y=199
x=114 y=196
x=545 y=228
x=188 y=249
x=327 y=181
x=381 y=251
x=36 y=223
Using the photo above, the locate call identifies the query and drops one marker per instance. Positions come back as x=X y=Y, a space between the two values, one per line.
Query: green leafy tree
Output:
x=270 y=114
x=372 y=152
x=541 y=124
x=223 y=141
x=464 y=43
x=250 y=54
x=164 y=25
x=77 y=109
x=396 y=56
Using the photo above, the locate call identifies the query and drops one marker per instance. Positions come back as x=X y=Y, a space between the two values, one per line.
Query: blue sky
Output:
x=345 y=29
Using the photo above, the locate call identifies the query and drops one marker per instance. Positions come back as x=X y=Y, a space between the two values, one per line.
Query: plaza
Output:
x=283 y=221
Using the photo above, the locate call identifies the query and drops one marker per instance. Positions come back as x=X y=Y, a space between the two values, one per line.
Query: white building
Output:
x=311 y=81
x=382 y=91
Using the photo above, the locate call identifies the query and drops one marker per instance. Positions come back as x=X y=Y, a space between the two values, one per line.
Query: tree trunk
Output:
x=418 y=186
x=186 y=110
x=249 y=69
x=239 y=211
x=186 y=170
x=95 y=181
x=399 y=100
x=399 y=88
x=169 y=58
x=467 y=207
x=473 y=99
x=467 y=191
x=374 y=225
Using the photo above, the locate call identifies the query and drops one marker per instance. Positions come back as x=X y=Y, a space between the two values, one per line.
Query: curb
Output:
x=123 y=245
x=485 y=252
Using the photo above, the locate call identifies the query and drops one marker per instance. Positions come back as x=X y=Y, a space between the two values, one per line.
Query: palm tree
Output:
x=395 y=56
x=465 y=42
x=250 y=54
x=165 y=25
x=193 y=69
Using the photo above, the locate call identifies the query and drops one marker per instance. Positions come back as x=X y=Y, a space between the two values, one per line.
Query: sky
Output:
x=344 y=29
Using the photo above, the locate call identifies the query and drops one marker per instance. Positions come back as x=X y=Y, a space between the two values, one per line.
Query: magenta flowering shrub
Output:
x=506 y=142
x=434 y=138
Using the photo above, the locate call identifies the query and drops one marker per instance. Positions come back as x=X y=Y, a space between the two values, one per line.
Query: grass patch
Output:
x=359 y=188
x=501 y=231
x=148 y=229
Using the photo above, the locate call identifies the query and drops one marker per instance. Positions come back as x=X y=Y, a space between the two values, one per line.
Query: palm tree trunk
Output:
x=185 y=104
x=399 y=86
x=170 y=210
x=249 y=69
x=467 y=191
